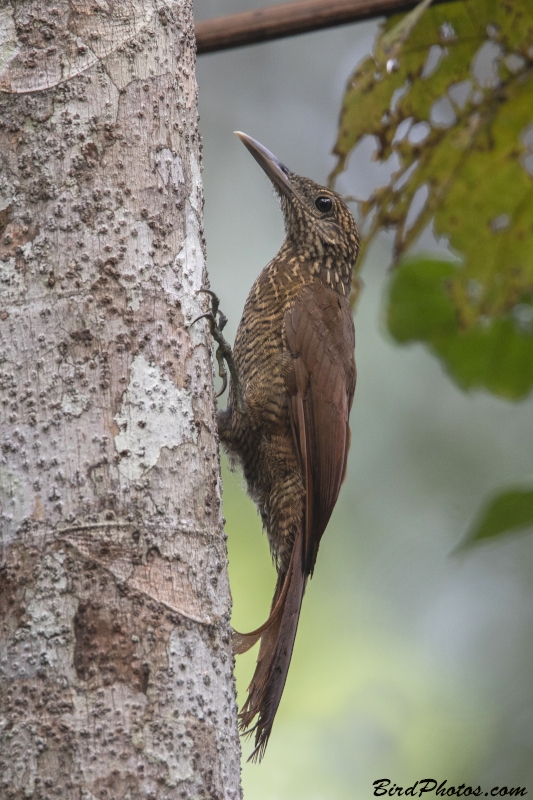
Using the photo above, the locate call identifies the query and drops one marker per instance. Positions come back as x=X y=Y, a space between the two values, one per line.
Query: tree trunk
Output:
x=115 y=656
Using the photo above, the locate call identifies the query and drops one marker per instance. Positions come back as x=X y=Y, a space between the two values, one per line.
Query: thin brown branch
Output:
x=288 y=19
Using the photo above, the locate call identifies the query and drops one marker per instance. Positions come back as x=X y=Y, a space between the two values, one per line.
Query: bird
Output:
x=292 y=382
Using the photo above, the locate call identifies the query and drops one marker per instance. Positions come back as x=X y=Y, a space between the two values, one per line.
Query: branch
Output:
x=288 y=19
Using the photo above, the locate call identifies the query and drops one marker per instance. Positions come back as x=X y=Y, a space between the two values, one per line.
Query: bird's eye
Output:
x=324 y=203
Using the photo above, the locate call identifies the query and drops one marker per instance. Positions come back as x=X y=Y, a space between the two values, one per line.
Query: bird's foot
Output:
x=223 y=352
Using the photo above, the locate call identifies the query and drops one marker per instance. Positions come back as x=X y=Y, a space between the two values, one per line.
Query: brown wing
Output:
x=321 y=340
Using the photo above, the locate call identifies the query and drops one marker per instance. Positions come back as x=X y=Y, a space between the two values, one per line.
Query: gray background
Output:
x=410 y=662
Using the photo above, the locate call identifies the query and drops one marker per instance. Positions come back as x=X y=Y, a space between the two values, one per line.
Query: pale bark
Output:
x=115 y=655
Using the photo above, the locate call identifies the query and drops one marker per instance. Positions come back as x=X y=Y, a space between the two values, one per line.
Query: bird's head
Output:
x=319 y=226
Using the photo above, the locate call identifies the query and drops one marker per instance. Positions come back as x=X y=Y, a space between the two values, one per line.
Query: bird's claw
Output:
x=223 y=352
x=215 y=303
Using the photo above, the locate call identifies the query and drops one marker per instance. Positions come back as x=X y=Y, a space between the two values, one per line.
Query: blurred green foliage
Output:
x=497 y=356
x=509 y=512
x=448 y=91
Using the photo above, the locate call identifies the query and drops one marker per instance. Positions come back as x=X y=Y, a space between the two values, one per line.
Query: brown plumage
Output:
x=290 y=397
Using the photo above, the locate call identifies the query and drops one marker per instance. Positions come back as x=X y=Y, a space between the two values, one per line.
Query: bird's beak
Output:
x=276 y=171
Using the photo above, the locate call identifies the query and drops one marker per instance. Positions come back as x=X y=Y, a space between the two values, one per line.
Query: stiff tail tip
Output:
x=277 y=637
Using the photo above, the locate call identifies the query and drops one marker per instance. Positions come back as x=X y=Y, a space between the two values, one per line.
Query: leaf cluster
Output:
x=451 y=99
x=448 y=93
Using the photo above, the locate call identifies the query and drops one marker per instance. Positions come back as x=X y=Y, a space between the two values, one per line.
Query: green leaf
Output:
x=391 y=42
x=509 y=512
x=475 y=165
x=496 y=355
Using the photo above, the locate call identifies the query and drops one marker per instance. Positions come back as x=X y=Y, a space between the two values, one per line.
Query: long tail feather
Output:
x=277 y=642
x=242 y=642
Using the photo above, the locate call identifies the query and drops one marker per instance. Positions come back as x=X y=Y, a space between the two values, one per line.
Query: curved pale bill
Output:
x=274 y=168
